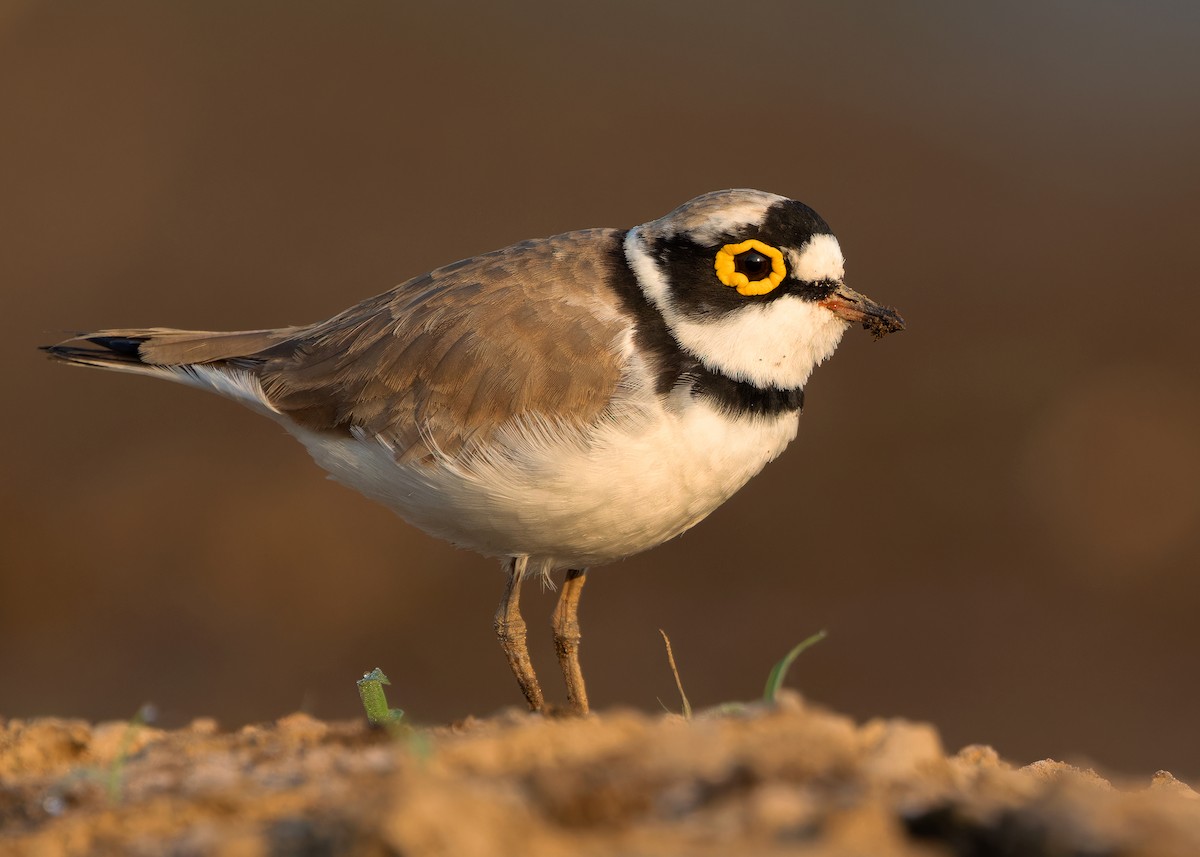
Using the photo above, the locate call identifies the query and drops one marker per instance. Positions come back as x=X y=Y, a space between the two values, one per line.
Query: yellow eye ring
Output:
x=727 y=273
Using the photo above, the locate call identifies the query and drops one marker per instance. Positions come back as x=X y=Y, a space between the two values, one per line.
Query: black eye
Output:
x=755 y=265
x=751 y=267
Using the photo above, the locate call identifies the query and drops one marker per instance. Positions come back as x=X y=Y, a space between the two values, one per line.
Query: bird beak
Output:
x=846 y=303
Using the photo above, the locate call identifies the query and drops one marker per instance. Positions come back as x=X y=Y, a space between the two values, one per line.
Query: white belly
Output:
x=569 y=500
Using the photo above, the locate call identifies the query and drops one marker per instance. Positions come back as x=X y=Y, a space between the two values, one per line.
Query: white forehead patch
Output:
x=820 y=259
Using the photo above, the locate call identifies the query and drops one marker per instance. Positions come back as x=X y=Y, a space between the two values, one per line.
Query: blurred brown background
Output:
x=995 y=514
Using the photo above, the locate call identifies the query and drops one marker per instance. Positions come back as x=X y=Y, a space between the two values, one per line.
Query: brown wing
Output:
x=454 y=354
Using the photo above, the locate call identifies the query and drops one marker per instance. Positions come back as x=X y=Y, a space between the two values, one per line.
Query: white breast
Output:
x=570 y=499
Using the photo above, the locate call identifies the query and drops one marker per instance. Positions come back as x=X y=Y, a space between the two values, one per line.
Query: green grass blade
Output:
x=114 y=782
x=779 y=671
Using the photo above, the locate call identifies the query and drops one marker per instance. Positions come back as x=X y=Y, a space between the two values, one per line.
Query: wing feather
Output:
x=453 y=355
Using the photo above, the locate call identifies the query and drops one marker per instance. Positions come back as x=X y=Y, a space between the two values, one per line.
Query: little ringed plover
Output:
x=559 y=404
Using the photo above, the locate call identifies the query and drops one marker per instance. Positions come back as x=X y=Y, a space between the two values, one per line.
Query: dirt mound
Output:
x=783 y=779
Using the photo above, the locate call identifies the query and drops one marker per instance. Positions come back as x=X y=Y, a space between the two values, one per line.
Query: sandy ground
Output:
x=784 y=779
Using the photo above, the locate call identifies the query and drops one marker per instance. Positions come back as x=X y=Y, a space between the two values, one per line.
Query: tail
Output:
x=225 y=363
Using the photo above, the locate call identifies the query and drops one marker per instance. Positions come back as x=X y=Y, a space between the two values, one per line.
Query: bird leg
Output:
x=510 y=629
x=566 y=639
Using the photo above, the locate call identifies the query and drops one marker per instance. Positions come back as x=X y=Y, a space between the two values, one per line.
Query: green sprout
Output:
x=115 y=781
x=370 y=690
x=779 y=671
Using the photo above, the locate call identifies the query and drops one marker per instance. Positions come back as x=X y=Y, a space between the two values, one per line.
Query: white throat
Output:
x=773 y=344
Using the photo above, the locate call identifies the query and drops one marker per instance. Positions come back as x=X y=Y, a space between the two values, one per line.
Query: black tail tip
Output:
x=117 y=349
x=123 y=346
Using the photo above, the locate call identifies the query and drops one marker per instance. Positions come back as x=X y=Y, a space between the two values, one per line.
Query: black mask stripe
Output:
x=698 y=294
x=673 y=365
